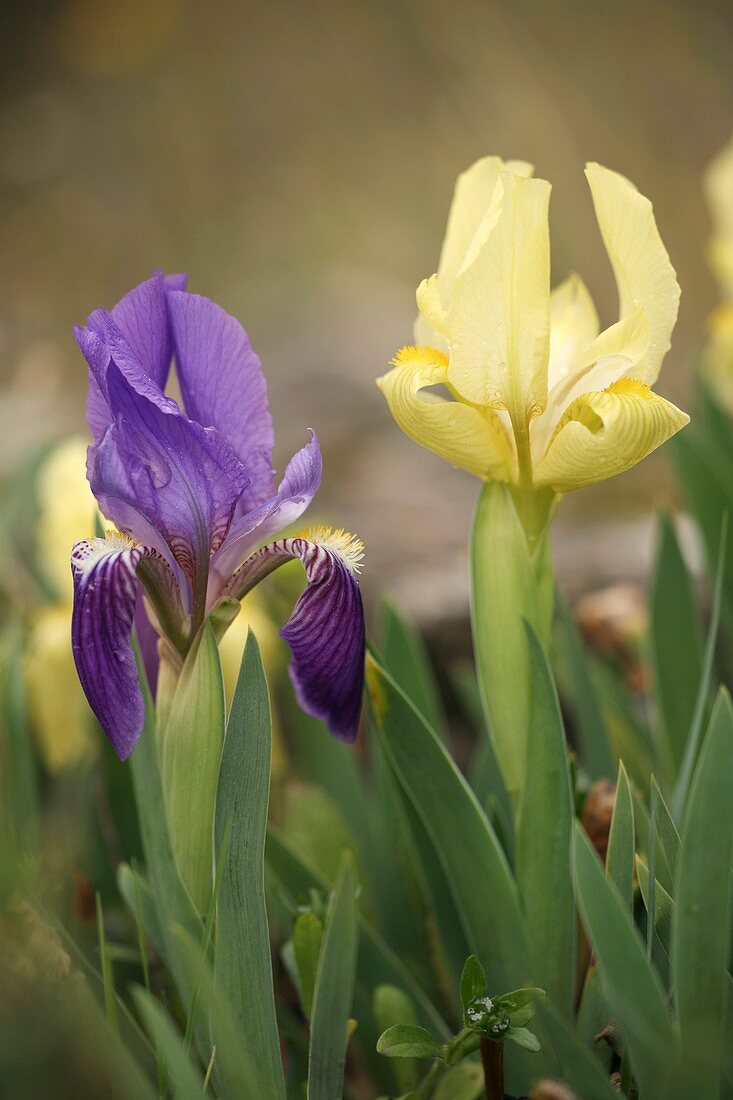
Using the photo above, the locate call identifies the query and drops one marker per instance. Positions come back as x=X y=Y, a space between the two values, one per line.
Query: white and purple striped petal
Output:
x=105 y=594
x=223 y=386
x=326 y=631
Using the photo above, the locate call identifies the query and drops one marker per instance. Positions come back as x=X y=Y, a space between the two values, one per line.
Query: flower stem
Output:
x=492 y=1056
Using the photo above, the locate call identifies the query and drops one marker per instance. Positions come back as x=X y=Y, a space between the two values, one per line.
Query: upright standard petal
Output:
x=473 y=439
x=644 y=274
x=573 y=326
x=223 y=386
x=141 y=319
x=326 y=631
x=181 y=479
x=499 y=317
x=603 y=434
x=299 y=485
x=105 y=593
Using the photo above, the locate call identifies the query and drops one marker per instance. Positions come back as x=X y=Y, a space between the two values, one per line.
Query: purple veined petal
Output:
x=326 y=631
x=182 y=480
x=299 y=485
x=141 y=320
x=147 y=640
x=105 y=594
x=223 y=386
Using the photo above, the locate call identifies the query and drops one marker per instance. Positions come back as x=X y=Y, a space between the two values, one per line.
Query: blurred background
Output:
x=297 y=159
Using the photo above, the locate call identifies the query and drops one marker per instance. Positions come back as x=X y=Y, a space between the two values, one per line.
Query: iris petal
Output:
x=299 y=485
x=605 y=433
x=473 y=439
x=223 y=386
x=499 y=316
x=326 y=631
x=644 y=274
x=183 y=480
x=105 y=594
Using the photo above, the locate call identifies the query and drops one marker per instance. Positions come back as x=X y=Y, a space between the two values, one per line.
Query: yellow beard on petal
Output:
x=412 y=353
x=349 y=548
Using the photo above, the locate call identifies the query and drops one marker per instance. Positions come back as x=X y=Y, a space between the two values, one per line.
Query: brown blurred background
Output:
x=297 y=159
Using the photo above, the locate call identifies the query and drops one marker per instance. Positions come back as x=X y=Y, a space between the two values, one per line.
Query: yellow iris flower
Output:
x=718 y=357
x=532 y=393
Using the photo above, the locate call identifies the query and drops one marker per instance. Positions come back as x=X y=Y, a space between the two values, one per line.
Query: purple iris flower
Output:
x=193 y=497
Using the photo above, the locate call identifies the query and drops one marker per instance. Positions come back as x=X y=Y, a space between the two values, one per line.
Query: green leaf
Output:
x=663 y=904
x=544 y=833
x=524 y=1039
x=696 y=728
x=473 y=981
x=391 y=1007
x=408 y=1041
x=596 y=751
x=462 y=1082
x=185 y=1078
x=676 y=641
x=243 y=965
x=519 y=998
x=307 y=939
x=377 y=962
x=231 y=1065
x=171 y=899
x=621 y=841
x=631 y=987
x=334 y=989
x=667 y=835
x=509 y=584
x=701 y=920
x=405 y=658
x=19 y=788
x=578 y=1064
x=474 y=864
x=191 y=752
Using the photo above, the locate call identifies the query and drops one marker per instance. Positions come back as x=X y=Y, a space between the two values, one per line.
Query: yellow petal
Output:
x=60 y=715
x=719 y=192
x=471 y=199
x=499 y=316
x=66 y=510
x=471 y=438
x=573 y=326
x=605 y=433
x=644 y=275
x=431 y=308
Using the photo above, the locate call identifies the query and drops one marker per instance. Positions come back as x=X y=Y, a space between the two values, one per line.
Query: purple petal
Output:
x=157 y=466
x=223 y=385
x=105 y=593
x=147 y=640
x=299 y=485
x=141 y=321
x=326 y=631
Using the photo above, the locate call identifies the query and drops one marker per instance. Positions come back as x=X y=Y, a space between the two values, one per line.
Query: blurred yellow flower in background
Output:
x=718 y=354
x=59 y=712
x=534 y=394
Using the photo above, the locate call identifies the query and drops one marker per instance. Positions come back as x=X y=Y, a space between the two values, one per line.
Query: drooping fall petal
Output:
x=326 y=631
x=105 y=592
x=473 y=439
x=604 y=433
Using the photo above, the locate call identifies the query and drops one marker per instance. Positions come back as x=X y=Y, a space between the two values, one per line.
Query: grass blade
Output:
x=334 y=989
x=474 y=864
x=186 y=1081
x=703 y=692
x=701 y=921
x=544 y=834
x=676 y=641
x=630 y=985
x=621 y=841
x=243 y=964
x=405 y=658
